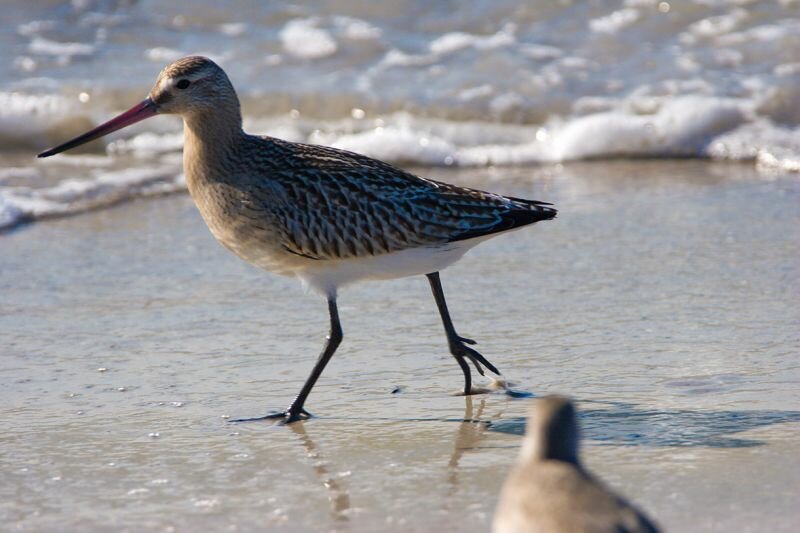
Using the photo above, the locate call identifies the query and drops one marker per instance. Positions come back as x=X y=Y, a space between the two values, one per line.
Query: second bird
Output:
x=325 y=216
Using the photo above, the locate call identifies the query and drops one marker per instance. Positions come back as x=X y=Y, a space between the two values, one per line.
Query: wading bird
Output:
x=325 y=216
x=549 y=490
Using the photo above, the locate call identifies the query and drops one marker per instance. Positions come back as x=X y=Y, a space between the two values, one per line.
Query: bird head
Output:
x=552 y=431
x=191 y=86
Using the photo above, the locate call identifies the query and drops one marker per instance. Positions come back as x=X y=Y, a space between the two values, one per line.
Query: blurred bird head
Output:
x=552 y=431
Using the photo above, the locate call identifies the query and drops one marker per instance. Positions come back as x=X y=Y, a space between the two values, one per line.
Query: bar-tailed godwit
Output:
x=325 y=216
x=549 y=490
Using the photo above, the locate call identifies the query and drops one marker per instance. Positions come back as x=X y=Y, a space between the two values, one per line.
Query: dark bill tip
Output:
x=137 y=113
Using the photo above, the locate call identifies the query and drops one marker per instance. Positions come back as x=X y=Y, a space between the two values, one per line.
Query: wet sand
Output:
x=663 y=298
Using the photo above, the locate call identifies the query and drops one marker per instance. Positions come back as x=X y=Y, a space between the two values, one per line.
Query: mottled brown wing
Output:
x=336 y=204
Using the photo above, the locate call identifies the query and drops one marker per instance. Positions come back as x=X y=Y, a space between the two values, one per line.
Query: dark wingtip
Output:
x=553 y=213
x=514 y=218
x=46 y=153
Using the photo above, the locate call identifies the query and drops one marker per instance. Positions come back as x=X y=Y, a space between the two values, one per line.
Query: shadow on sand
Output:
x=629 y=424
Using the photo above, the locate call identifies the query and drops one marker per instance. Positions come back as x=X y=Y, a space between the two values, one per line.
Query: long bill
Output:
x=145 y=109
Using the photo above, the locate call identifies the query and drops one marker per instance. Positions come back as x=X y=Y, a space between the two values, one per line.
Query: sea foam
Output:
x=683 y=127
x=303 y=38
x=75 y=195
x=30 y=119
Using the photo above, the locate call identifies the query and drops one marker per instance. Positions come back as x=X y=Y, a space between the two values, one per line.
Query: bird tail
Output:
x=543 y=210
x=521 y=212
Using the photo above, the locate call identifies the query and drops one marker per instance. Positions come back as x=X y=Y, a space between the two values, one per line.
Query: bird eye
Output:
x=182 y=84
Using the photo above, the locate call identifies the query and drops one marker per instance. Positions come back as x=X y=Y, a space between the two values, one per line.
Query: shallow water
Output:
x=663 y=298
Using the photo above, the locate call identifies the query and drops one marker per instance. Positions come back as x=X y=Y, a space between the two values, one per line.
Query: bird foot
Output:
x=474 y=390
x=460 y=349
x=497 y=384
x=284 y=417
x=500 y=383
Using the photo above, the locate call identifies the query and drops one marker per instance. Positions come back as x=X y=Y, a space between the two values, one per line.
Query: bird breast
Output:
x=245 y=227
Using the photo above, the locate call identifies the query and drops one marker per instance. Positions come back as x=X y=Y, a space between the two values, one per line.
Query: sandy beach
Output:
x=663 y=298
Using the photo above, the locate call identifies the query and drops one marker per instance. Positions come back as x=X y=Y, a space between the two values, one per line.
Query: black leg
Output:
x=296 y=411
x=458 y=344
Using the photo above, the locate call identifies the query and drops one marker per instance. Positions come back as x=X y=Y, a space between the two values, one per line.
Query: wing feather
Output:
x=333 y=204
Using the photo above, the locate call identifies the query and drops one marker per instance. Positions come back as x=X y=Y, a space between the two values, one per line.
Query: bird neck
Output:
x=213 y=129
x=210 y=138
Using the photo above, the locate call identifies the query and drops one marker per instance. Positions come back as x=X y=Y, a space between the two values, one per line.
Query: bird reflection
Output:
x=470 y=432
x=338 y=496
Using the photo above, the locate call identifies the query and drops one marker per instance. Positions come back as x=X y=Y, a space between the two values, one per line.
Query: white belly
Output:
x=327 y=276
